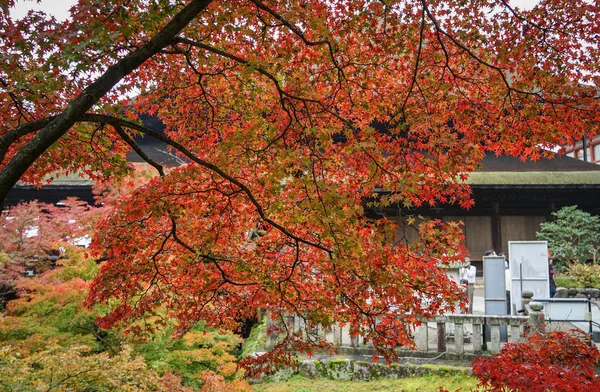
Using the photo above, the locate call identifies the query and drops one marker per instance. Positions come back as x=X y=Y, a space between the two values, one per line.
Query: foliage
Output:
x=573 y=236
x=31 y=230
x=108 y=192
x=256 y=340
x=203 y=359
x=48 y=323
x=557 y=361
x=74 y=369
x=293 y=118
x=37 y=235
x=49 y=309
x=566 y=282
x=586 y=275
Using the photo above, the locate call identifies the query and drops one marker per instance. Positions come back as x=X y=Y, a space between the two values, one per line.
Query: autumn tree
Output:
x=293 y=117
x=32 y=234
x=33 y=229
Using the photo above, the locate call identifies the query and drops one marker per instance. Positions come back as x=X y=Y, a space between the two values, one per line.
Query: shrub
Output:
x=557 y=361
x=203 y=358
x=585 y=275
x=566 y=282
x=74 y=369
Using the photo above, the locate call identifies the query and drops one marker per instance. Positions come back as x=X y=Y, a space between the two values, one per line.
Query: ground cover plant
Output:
x=293 y=118
x=422 y=384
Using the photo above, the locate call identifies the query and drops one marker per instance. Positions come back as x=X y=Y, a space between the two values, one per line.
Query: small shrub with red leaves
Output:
x=556 y=361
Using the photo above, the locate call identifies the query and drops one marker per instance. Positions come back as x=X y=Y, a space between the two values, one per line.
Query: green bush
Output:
x=200 y=353
x=566 y=282
x=74 y=369
x=574 y=235
x=585 y=275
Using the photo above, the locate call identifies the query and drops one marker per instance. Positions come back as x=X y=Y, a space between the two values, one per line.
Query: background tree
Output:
x=291 y=114
x=32 y=230
x=32 y=234
x=573 y=236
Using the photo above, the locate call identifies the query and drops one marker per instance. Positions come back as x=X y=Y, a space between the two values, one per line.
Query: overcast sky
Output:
x=60 y=8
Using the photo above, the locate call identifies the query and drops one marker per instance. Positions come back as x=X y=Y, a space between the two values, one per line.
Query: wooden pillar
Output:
x=496 y=228
x=441 y=337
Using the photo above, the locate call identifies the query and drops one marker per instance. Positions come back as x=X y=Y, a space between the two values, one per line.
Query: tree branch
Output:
x=120 y=123
x=18 y=165
x=139 y=151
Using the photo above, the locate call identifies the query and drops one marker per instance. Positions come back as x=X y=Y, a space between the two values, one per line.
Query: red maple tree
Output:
x=293 y=115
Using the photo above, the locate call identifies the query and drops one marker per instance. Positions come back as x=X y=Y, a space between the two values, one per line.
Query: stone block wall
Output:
x=562 y=292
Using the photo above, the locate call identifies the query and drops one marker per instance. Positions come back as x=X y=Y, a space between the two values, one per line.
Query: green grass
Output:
x=427 y=383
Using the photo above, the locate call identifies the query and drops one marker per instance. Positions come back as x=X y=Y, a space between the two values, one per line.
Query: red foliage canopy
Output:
x=291 y=114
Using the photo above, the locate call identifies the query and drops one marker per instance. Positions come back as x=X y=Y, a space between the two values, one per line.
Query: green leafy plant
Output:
x=566 y=282
x=585 y=275
x=203 y=358
x=573 y=236
x=74 y=369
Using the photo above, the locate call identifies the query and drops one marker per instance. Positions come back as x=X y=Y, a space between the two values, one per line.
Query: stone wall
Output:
x=356 y=370
x=562 y=292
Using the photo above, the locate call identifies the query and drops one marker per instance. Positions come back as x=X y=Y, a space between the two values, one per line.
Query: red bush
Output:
x=557 y=361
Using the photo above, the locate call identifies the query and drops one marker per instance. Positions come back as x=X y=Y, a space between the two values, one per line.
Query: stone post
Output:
x=536 y=317
x=494 y=324
x=422 y=337
x=476 y=338
x=354 y=341
x=441 y=337
x=526 y=297
x=515 y=331
x=459 y=341
x=271 y=334
x=337 y=336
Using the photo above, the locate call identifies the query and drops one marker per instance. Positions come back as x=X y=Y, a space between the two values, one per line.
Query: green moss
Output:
x=257 y=338
x=444 y=369
x=534 y=178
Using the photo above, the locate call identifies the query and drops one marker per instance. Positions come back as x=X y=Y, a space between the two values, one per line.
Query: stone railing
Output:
x=460 y=334
x=472 y=334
